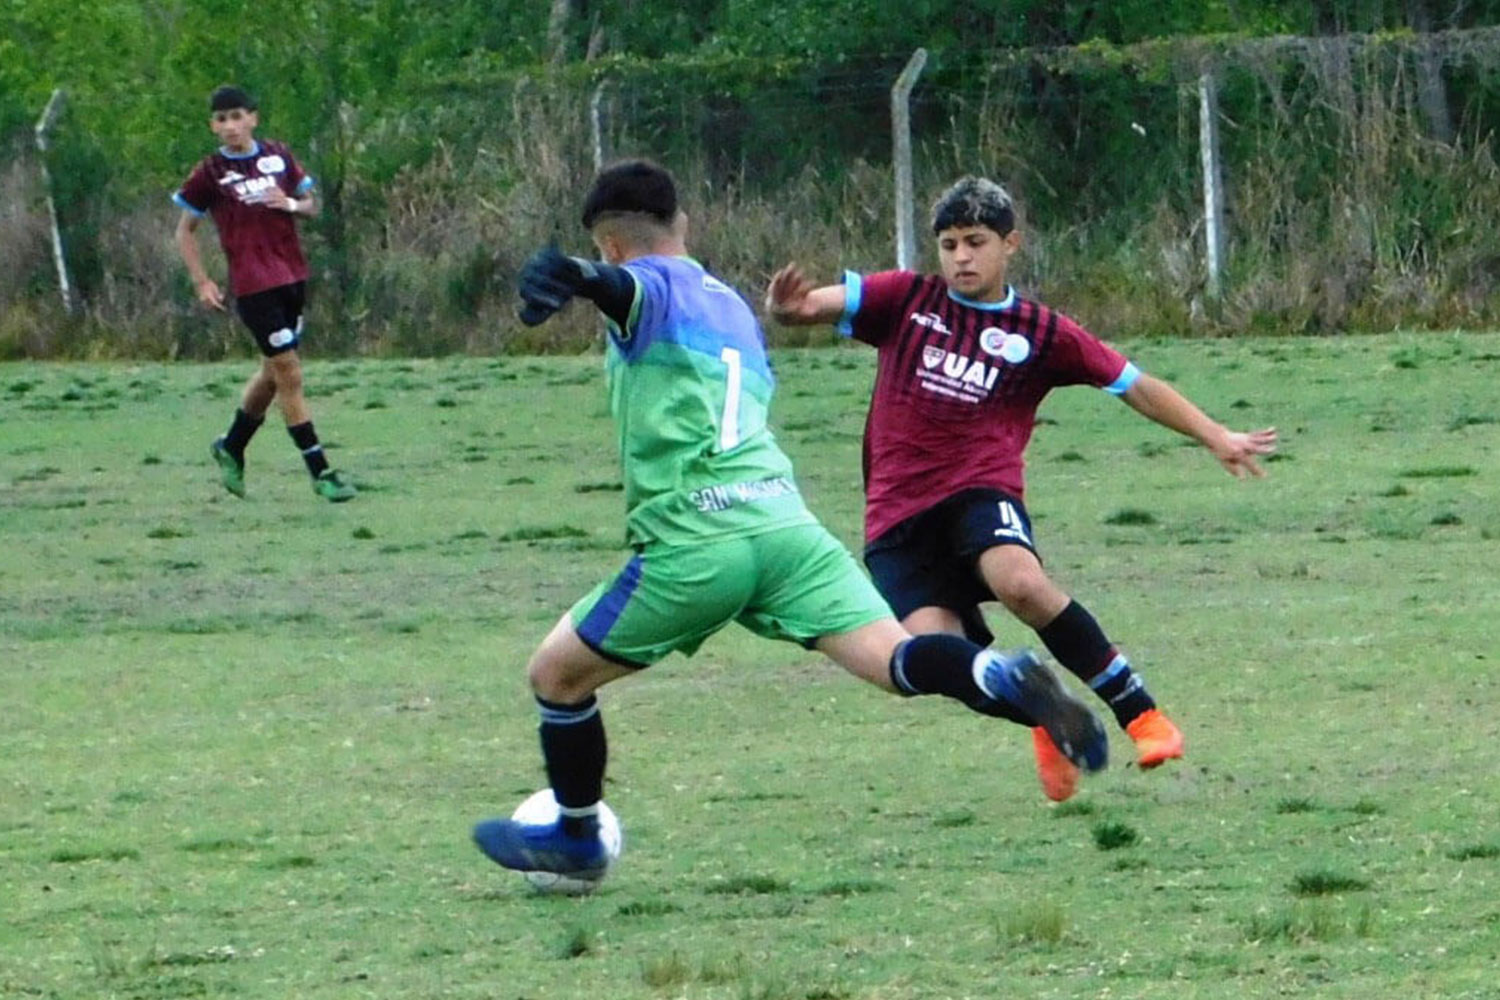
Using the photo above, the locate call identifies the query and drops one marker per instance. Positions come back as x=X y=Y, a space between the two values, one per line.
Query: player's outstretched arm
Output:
x=550 y=278
x=791 y=299
x=1235 y=450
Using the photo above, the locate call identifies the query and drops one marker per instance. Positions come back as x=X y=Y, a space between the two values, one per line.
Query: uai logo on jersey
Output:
x=254 y=190
x=1011 y=347
x=272 y=164
x=957 y=372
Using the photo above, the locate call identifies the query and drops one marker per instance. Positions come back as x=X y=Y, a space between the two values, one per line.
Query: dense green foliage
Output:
x=448 y=139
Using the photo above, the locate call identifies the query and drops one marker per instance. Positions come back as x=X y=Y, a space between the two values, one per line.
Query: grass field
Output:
x=242 y=742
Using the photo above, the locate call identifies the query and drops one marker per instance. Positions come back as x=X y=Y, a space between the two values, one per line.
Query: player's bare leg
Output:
x=260 y=391
x=565 y=669
x=866 y=651
x=933 y=619
x=284 y=372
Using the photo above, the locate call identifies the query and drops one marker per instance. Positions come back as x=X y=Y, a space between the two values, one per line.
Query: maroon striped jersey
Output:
x=957 y=386
x=259 y=242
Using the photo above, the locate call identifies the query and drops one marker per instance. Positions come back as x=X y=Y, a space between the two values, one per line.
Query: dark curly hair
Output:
x=974 y=201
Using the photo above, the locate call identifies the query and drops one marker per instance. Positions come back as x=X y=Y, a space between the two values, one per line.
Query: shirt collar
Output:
x=254 y=150
x=1005 y=303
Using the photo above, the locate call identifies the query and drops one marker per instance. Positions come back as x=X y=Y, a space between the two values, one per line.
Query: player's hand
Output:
x=786 y=295
x=210 y=295
x=277 y=198
x=548 y=279
x=1236 y=451
x=273 y=198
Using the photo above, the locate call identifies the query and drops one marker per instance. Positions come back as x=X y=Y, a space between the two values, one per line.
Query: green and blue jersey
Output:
x=689 y=387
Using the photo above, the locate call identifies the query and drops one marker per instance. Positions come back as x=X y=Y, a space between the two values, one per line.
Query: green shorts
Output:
x=796 y=583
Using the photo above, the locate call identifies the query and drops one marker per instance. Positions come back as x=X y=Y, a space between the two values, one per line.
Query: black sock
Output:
x=306 y=440
x=1079 y=644
x=241 y=430
x=944 y=664
x=574 y=749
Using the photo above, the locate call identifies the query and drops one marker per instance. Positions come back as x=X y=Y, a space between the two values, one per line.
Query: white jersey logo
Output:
x=1015 y=349
x=1011 y=347
x=270 y=164
x=931 y=321
x=956 y=376
x=253 y=191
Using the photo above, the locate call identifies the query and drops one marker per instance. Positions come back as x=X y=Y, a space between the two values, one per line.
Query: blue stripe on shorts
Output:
x=608 y=609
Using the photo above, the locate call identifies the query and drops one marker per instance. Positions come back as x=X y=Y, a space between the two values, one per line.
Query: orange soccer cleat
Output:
x=1157 y=739
x=1058 y=774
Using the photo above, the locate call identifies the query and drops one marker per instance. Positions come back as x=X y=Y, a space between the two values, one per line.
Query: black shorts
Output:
x=274 y=316
x=931 y=559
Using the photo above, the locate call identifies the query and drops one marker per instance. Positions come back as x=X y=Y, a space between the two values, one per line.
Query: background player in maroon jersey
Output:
x=964 y=362
x=254 y=190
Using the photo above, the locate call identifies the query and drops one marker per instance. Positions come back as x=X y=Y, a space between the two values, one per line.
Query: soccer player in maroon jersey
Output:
x=963 y=364
x=254 y=190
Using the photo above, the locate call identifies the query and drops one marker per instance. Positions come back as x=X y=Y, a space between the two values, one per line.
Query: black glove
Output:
x=548 y=280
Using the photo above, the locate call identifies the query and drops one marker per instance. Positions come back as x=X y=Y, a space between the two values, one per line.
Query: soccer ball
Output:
x=542 y=808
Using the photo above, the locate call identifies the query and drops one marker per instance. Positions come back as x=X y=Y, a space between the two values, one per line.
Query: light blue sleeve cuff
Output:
x=854 y=286
x=305 y=185
x=181 y=202
x=1126 y=379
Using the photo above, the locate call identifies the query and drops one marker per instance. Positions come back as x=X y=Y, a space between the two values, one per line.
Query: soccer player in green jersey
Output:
x=718 y=527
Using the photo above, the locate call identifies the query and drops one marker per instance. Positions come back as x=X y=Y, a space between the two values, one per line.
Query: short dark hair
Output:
x=229 y=97
x=974 y=201
x=634 y=187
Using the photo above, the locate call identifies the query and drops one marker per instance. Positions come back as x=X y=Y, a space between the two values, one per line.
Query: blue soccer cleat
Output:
x=1022 y=679
x=542 y=847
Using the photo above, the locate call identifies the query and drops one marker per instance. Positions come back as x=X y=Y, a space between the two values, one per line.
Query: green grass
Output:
x=1113 y=835
x=1035 y=922
x=242 y=742
x=1327 y=883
